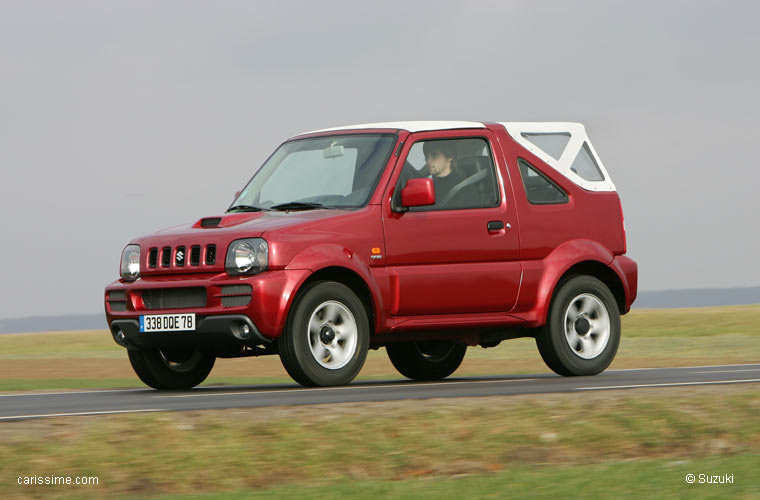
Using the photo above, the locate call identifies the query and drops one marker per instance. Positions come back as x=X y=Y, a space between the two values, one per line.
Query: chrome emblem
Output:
x=180 y=256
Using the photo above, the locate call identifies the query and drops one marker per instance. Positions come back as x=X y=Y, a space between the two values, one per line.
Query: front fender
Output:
x=324 y=256
x=541 y=277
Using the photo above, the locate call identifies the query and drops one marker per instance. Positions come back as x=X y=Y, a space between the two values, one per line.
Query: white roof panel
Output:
x=411 y=126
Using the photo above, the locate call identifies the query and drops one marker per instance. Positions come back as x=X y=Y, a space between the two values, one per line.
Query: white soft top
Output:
x=410 y=126
x=564 y=146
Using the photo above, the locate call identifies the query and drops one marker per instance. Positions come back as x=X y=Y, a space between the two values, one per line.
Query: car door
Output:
x=456 y=259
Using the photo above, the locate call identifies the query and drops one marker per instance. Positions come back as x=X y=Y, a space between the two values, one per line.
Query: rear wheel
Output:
x=182 y=368
x=326 y=337
x=582 y=331
x=429 y=360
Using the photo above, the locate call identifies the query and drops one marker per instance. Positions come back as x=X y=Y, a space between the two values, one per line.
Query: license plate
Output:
x=167 y=322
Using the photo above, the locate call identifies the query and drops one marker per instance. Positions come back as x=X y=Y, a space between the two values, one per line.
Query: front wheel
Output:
x=171 y=368
x=326 y=337
x=429 y=360
x=582 y=331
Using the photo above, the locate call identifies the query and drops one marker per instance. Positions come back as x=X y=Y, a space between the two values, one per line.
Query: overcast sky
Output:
x=120 y=118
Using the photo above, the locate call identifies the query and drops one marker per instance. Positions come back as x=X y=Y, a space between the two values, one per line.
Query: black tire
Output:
x=171 y=368
x=431 y=360
x=137 y=360
x=313 y=363
x=570 y=346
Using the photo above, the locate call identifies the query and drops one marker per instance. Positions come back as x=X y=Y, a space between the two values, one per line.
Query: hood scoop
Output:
x=225 y=220
x=211 y=222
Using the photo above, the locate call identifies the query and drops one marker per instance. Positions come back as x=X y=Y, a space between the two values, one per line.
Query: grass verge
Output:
x=311 y=449
x=633 y=479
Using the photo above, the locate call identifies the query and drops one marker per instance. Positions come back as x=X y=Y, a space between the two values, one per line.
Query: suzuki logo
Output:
x=180 y=256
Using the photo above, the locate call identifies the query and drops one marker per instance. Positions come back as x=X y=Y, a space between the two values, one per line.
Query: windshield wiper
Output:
x=245 y=208
x=298 y=205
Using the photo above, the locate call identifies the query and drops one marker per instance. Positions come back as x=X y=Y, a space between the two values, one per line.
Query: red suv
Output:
x=422 y=237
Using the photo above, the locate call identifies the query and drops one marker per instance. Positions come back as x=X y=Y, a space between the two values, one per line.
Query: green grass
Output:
x=692 y=322
x=638 y=479
x=541 y=445
x=59 y=345
x=662 y=479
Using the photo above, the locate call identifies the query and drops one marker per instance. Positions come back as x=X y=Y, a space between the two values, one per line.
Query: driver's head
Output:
x=439 y=157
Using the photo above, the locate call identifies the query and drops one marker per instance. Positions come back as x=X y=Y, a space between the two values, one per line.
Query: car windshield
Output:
x=334 y=172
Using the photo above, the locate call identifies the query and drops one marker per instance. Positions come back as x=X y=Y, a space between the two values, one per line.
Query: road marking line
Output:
x=729 y=371
x=666 y=384
x=8 y=395
x=344 y=388
x=677 y=367
x=106 y=412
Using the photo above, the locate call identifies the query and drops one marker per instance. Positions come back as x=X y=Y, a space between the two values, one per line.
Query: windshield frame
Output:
x=238 y=200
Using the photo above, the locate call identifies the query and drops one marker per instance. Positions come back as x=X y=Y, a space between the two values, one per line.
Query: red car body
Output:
x=439 y=274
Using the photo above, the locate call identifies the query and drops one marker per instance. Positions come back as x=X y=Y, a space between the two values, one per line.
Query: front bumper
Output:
x=271 y=294
x=209 y=330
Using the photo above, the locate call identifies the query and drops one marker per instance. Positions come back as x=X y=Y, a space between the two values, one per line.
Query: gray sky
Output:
x=120 y=118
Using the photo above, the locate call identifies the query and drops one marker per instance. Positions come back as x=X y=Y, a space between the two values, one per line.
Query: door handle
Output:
x=495 y=225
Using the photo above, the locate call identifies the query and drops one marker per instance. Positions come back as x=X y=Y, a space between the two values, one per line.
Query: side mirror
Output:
x=418 y=193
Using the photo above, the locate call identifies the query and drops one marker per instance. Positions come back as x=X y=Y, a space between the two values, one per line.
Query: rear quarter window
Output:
x=539 y=189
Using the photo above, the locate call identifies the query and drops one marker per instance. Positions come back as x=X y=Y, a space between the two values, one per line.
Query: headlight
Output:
x=248 y=256
x=130 y=262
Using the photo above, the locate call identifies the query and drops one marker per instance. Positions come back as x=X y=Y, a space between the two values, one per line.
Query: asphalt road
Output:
x=19 y=406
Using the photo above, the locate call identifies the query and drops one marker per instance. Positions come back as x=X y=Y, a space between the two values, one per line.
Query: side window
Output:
x=462 y=171
x=539 y=189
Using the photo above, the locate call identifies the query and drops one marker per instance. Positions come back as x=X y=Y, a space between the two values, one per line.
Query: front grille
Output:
x=166 y=256
x=179 y=259
x=195 y=255
x=211 y=255
x=153 y=257
x=118 y=306
x=181 y=256
x=174 y=298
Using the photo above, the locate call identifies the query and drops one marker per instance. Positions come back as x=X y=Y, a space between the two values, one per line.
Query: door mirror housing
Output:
x=418 y=193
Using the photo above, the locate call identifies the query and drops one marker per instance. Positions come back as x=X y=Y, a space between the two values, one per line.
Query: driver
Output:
x=440 y=162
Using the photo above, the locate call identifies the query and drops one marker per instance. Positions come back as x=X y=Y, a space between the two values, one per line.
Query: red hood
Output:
x=251 y=223
x=215 y=234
